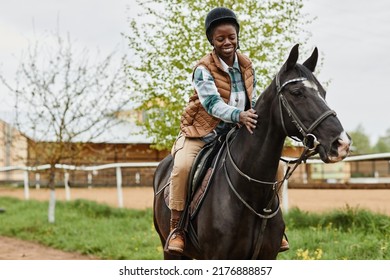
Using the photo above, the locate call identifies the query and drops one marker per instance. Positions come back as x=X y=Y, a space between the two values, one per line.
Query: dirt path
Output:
x=141 y=198
x=324 y=200
x=15 y=249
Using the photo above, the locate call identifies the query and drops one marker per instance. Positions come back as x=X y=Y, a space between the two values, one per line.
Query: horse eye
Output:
x=296 y=92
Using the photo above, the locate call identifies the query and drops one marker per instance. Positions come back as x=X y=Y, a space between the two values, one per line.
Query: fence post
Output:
x=89 y=178
x=137 y=178
x=119 y=186
x=66 y=184
x=26 y=189
x=37 y=181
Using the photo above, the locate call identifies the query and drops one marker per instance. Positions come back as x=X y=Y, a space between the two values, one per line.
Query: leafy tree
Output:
x=383 y=143
x=168 y=37
x=64 y=100
x=361 y=141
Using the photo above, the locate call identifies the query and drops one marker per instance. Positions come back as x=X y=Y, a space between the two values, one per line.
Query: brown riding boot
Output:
x=284 y=246
x=176 y=242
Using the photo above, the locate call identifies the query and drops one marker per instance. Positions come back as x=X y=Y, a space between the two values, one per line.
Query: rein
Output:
x=275 y=184
x=275 y=188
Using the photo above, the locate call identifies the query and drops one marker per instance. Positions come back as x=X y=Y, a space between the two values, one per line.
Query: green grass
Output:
x=110 y=233
x=83 y=226
x=349 y=233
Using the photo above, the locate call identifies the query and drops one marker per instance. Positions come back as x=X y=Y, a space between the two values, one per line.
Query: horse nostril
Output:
x=341 y=146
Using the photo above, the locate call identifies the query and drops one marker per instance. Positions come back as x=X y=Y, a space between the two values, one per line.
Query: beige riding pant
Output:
x=184 y=151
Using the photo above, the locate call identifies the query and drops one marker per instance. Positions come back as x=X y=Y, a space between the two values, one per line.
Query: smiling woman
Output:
x=225 y=41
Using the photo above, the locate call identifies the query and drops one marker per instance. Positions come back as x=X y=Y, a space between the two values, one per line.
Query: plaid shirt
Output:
x=213 y=103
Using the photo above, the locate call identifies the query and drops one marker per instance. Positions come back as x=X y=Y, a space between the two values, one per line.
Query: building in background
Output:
x=122 y=143
x=13 y=151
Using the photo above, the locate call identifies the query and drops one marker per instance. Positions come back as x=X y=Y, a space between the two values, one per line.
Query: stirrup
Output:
x=175 y=233
x=286 y=246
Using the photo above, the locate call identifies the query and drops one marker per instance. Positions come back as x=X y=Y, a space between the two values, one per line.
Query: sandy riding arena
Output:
x=142 y=198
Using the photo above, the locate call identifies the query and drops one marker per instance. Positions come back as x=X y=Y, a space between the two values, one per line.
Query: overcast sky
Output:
x=352 y=35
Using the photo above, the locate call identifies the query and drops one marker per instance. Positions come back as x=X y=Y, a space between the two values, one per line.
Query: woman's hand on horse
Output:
x=249 y=119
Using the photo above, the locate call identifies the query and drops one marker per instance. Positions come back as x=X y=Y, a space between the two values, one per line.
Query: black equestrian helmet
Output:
x=219 y=15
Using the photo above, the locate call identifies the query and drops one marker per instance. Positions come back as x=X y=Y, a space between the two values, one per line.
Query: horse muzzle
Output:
x=339 y=149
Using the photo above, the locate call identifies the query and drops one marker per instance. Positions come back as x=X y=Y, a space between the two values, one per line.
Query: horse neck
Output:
x=258 y=154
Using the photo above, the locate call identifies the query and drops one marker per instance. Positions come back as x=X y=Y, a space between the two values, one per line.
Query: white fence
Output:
x=119 y=166
x=65 y=167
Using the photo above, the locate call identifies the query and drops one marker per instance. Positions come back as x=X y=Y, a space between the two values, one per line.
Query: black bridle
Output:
x=303 y=130
x=310 y=146
x=309 y=141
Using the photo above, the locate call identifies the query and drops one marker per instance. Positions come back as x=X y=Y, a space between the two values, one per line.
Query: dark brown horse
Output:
x=239 y=217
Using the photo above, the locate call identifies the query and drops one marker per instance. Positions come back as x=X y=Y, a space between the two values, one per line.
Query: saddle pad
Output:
x=200 y=193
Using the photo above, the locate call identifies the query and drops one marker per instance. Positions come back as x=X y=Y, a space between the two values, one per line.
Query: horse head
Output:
x=303 y=111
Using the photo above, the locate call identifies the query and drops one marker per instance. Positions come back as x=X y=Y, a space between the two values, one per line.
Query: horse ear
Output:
x=311 y=62
x=292 y=58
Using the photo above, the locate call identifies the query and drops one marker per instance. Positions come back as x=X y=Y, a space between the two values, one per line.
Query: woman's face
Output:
x=225 y=42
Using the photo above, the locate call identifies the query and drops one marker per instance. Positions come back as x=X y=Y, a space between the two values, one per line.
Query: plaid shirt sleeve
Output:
x=211 y=99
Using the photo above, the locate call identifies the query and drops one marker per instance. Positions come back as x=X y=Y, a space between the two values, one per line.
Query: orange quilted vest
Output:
x=195 y=121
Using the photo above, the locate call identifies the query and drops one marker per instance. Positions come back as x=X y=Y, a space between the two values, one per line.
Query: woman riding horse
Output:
x=238 y=214
x=224 y=95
